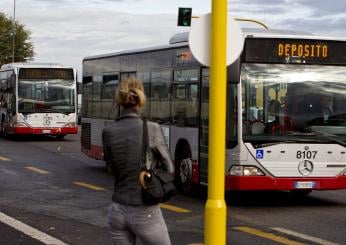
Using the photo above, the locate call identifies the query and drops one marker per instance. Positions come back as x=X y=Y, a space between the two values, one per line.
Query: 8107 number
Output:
x=306 y=154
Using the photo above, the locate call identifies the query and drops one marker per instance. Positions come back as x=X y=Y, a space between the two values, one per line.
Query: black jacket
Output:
x=122 y=147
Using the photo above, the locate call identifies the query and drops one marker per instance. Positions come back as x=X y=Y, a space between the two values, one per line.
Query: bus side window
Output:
x=160 y=95
x=192 y=115
x=178 y=104
x=185 y=103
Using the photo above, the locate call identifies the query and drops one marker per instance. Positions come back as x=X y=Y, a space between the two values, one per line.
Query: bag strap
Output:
x=145 y=145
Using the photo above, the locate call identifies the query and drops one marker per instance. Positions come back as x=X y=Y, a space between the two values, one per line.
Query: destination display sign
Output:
x=304 y=51
x=45 y=73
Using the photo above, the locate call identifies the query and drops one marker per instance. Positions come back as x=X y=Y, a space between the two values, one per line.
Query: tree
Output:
x=24 y=49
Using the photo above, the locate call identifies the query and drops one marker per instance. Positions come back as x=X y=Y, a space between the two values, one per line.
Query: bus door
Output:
x=185 y=104
x=204 y=126
x=231 y=125
x=185 y=120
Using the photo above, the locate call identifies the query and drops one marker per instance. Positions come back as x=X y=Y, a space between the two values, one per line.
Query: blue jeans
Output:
x=146 y=223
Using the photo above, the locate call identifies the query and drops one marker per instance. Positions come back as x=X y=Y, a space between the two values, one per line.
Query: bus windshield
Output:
x=293 y=102
x=51 y=95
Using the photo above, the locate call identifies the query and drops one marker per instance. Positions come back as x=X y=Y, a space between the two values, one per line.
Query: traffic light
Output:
x=184 y=16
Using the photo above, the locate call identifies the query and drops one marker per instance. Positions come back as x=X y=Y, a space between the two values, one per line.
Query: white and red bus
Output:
x=278 y=135
x=38 y=98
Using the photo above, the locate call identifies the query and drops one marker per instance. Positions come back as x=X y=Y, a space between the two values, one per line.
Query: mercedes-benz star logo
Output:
x=305 y=167
x=46 y=120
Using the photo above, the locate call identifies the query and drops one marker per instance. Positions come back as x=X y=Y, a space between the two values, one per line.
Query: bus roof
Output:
x=181 y=40
x=133 y=51
x=31 y=65
x=289 y=34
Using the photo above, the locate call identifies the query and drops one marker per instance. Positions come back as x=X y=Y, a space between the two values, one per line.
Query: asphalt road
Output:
x=50 y=186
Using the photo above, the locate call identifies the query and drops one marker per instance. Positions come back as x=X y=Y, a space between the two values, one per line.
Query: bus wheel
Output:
x=184 y=175
x=2 y=125
x=60 y=136
x=301 y=193
x=2 y=129
x=109 y=168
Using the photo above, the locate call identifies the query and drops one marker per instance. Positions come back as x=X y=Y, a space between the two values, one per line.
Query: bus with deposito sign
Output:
x=38 y=98
x=286 y=114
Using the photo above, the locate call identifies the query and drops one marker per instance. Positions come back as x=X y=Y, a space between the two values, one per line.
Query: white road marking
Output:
x=9 y=172
x=303 y=236
x=30 y=231
x=268 y=235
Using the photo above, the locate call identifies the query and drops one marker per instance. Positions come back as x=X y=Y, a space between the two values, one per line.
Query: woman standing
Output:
x=128 y=217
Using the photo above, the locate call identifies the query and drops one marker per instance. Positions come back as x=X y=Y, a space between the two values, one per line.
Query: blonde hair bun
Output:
x=130 y=94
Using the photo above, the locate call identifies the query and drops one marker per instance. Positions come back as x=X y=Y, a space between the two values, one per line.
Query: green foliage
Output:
x=24 y=49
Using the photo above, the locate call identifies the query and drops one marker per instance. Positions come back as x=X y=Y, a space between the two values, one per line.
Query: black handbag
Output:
x=158 y=183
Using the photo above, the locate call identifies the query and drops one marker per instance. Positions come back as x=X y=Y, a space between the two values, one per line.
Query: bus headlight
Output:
x=20 y=125
x=70 y=125
x=236 y=170
x=250 y=171
x=245 y=171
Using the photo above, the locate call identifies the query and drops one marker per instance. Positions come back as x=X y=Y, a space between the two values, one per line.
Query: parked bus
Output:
x=277 y=137
x=38 y=98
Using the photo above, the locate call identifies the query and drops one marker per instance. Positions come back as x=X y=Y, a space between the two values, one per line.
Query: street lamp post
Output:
x=14 y=30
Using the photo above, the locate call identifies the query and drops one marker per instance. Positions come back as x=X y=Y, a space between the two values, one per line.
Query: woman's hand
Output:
x=143 y=175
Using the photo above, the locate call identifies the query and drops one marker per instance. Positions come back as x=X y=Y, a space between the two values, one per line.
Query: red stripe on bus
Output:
x=195 y=172
x=270 y=183
x=95 y=152
x=51 y=131
x=250 y=182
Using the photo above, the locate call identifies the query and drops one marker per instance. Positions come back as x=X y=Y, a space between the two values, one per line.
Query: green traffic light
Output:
x=184 y=16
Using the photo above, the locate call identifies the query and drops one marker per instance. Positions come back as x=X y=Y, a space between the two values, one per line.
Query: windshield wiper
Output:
x=259 y=145
x=53 y=111
x=280 y=142
x=330 y=137
x=298 y=137
x=310 y=132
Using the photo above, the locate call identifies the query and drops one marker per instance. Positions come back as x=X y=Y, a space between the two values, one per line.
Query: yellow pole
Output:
x=215 y=209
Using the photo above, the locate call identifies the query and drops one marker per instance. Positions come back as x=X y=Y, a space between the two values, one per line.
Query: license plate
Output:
x=46 y=131
x=304 y=184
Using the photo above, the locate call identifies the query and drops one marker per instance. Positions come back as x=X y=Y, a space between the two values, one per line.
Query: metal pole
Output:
x=215 y=210
x=14 y=29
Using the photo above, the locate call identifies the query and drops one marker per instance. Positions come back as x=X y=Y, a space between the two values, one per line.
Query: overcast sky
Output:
x=65 y=31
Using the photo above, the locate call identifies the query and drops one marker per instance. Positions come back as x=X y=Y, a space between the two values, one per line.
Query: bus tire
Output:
x=109 y=168
x=183 y=171
x=60 y=136
x=2 y=124
x=301 y=193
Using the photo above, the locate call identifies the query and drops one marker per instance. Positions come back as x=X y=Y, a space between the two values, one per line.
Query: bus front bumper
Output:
x=50 y=131
x=270 y=183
